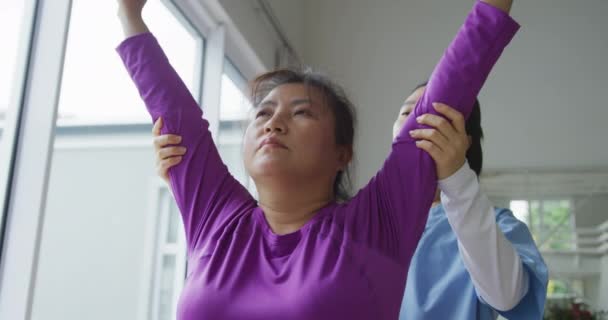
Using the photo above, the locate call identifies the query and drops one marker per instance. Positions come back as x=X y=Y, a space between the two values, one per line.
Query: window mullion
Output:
x=212 y=78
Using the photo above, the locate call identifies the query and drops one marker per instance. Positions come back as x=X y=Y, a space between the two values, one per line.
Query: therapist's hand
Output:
x=446 y=141
x=167 y=150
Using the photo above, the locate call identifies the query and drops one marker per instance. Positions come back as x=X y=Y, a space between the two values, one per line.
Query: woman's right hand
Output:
x=130 y=14
x=167 y=150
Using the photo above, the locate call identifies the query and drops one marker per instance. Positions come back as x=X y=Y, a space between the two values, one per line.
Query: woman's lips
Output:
x=272 y=142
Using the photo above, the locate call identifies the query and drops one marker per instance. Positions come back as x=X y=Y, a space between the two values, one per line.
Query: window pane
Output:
x=95 y=239
x=174 y=226
x=550 y=222
x=520 y=210
x=11 y=22
x=234 y=114
x=557 y=219
x=96 y=89
x=14 y=22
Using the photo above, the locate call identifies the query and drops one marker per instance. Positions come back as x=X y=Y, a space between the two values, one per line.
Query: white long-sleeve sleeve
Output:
x=495 y=267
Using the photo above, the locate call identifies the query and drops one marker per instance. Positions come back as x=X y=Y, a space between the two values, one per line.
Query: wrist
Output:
x=126 y=13
x=453 y=169
x=454 y=185
x=132 y=23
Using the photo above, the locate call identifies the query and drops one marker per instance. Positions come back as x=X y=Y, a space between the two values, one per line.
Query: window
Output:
x=234 y=114
x=565 y=288
x=95 y=87
x=99 y=204
x=550 y=221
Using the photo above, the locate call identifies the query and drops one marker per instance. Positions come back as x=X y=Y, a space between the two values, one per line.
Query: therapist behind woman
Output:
x=469 y=259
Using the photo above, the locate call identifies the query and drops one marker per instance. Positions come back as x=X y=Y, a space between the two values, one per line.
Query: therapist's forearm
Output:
x=495 y=267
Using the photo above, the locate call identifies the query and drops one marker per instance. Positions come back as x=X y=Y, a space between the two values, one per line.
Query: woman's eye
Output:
x=261 y=114
x=405 y=113
x=302 y=112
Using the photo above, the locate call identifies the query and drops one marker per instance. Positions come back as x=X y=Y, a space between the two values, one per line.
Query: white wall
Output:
x=250 y=23
x=591 y=210
x=290 y=14
x=543 y=107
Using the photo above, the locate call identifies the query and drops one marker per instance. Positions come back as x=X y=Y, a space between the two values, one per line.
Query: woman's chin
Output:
x=269 y=166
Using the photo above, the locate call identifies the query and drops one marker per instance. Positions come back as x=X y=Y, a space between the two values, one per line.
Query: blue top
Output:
x=439 y=286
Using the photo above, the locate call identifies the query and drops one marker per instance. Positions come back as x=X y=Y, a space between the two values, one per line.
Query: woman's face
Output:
x=292 y=136
x=406 y=109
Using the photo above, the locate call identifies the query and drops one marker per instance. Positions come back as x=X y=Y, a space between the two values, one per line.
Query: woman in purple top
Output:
x=298 y=252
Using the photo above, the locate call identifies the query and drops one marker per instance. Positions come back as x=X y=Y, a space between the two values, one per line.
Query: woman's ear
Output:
x=345 y=155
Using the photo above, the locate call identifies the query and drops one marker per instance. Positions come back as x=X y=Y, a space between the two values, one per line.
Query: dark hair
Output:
x=473 y=128
x=335 y=98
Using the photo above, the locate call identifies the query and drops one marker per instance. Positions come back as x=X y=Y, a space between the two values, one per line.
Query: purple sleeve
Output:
x=204 y=190
x=393 y=207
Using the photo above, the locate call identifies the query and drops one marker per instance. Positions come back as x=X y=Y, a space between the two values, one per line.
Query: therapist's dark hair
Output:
x=474 y=130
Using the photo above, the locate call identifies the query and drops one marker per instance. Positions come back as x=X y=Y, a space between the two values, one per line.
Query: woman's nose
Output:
x=275 y=124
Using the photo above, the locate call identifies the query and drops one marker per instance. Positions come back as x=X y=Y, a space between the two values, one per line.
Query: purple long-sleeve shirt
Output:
x=350 y=260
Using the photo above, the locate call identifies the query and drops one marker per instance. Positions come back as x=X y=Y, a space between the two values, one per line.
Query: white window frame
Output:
x=8 y=141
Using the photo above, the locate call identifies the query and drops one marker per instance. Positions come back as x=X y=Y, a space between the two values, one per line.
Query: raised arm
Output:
x=466 y=64
x=204 y=190
x=399 y=196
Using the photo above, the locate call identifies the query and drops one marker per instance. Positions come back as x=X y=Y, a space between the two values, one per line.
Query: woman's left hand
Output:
x=446 y=141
